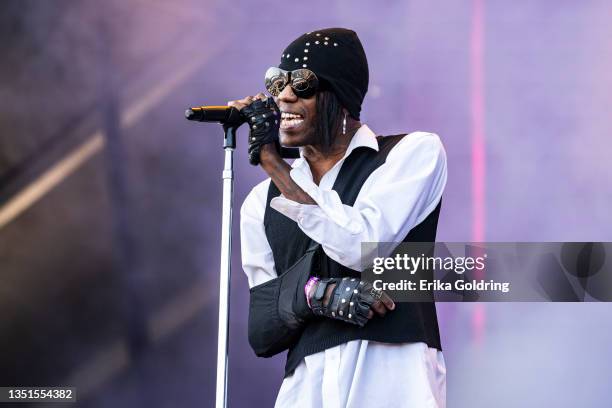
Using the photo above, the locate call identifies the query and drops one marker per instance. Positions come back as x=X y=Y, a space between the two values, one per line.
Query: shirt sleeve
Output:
x=257 y=259
x=396 y=197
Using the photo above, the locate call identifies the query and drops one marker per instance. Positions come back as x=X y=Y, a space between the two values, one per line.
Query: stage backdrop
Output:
x=110 y=201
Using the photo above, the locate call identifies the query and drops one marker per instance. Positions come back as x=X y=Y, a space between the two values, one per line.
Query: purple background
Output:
x=108 y=281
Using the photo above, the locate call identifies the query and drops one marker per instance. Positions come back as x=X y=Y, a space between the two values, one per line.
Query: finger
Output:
x=247 y=100
x=370 y=314
x=328 y=293
x=387 y=301
x=241 y=103
x=261 y=96
x=379 y=308
x=236 y=104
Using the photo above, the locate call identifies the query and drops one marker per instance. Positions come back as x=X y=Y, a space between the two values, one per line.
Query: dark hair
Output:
x=329 y=117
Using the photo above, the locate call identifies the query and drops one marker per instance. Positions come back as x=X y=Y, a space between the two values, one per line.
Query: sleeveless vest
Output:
x=409 y=322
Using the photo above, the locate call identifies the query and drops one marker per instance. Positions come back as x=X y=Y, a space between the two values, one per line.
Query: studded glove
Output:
x=263 y=118
x=350 y=300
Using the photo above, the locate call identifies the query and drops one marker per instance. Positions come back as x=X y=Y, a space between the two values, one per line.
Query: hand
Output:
x=348 y=299
x=247 y=100
x=263 y=117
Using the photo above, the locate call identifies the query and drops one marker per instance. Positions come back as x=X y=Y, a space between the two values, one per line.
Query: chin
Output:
x=291 y=139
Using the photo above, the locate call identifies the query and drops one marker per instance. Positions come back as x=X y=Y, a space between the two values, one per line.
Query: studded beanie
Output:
x=336 y=56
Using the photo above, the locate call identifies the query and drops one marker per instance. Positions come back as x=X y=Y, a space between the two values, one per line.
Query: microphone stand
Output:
x=229 y=144
x=231 y=122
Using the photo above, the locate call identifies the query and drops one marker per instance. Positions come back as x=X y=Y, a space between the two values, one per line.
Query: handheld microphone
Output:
x=227 y=115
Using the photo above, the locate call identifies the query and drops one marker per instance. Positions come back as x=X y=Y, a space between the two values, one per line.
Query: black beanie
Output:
x=337 y=57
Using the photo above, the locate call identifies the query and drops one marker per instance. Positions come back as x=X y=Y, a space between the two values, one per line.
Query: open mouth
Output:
x=290 y=120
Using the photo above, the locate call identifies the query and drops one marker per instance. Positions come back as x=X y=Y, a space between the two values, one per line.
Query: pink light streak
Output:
x=477 y=105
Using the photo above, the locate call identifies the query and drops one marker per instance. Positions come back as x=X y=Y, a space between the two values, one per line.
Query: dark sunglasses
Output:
x=303 y=82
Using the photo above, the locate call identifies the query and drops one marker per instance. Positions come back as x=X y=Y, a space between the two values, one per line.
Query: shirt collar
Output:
x=363 y=137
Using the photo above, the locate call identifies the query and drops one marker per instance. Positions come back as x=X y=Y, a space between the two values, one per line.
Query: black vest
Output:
x=409 y=322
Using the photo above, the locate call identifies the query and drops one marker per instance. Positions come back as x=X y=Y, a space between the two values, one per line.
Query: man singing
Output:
x=359 y=349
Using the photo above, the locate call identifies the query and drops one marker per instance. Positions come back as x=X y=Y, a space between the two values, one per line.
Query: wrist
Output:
x=309 y=289
x=269 y=151
x=269 y=156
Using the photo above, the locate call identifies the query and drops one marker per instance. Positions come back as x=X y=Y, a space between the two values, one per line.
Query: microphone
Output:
x=227 y=115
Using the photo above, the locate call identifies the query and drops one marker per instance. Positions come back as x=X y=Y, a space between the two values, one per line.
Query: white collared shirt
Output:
x=396 y=197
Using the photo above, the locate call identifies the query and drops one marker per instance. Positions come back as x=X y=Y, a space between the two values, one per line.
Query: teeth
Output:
x=287 y=123
x=288 y=115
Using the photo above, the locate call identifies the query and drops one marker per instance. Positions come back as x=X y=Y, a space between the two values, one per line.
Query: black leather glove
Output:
x=350 y=300
x=263 y=118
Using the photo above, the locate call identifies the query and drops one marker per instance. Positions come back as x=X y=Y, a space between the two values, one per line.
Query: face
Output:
x=298 y=118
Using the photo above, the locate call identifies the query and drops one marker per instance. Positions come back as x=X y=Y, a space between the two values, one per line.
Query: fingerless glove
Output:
x=350 y=300
x=263 y=118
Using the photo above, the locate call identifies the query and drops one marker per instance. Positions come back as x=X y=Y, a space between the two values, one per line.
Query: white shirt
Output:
x=397 y=196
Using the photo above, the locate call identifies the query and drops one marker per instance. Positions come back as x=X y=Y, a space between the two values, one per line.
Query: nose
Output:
x=287 y=95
